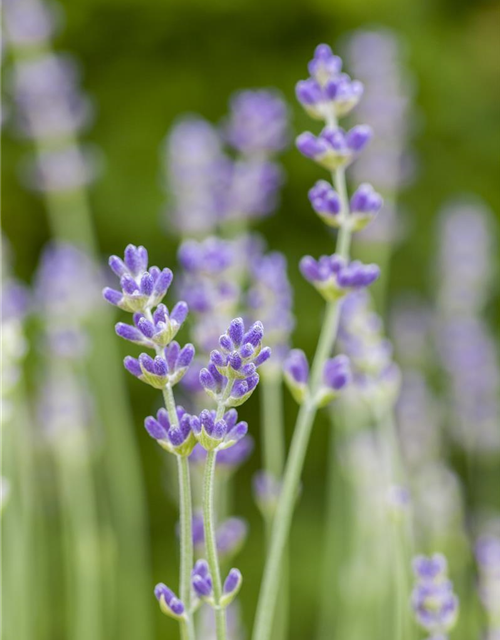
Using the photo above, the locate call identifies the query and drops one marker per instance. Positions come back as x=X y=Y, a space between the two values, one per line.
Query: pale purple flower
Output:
x=169 y=603
x=177 y=437
x=28 y=22
x=333 y=277
x=333 y=147
x=258 y=122
x=218 y=434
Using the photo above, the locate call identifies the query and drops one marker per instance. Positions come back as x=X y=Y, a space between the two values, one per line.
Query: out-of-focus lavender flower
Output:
x=28 y=22
x=267 y=491
x=65 y=293
x=412 y=331
x=487 y=551
x=270 y=299
x=169 y=603
x=198 y=176
x=296 y=373
x=228 y=460
x=375 y=376
x=50 y=103
x=466 y=260
x=333 y=277
x=433 y=601
x=60 y=170
x=378 y=59
x=141 y=288
x=333 y=147
x=230 y=535
x=174 y=438
x=235 y=629
x=5 y=490
x=257 y=123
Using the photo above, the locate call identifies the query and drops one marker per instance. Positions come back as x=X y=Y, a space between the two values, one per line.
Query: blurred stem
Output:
x=80 y=515
x=301 y=436
x=273 y=456
x=71 y=220
x=210 y=542
x=186 y=522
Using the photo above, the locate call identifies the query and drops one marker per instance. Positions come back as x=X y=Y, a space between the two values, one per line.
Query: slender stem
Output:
x=210 y=542
x=186 y=523
x=273 y=454
x=305 y=419
x=293 y=471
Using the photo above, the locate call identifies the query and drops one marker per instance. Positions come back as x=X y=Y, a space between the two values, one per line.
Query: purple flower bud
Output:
x=324 y=199
x=179 y=313
x=337 y=372
x=155 y=429
x=310 y=146
x=132 y=365
x=236 y=330
x=297 y=367
x=308 y=92
x=358 y=137
x=325 y=65
x=233 y=581
x=263 y=356
x=146 y=284
x=185 y=357
x=118 y=266
x=128 y=332
x=112 y=296
x=201 y=579
x=430 y=568
x=161 y=590
x=176 y=606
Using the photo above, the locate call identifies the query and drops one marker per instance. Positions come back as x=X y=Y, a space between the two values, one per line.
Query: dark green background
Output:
x=147 y=61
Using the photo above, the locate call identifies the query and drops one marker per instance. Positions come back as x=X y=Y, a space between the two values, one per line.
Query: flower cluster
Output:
x=201 y=581
x=50 y=105
x=333 y=147
x=334 y=277
x=336 y=375
x=364 y=205
x=434 y=603
x=207 y=186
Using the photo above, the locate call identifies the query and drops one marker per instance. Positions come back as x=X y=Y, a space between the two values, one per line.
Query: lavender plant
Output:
x=327 y=95
x=229 y=379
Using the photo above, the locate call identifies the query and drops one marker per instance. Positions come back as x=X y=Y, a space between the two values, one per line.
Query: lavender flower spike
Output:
x=333 y=277
x=169 y=603
x=334 y=148
x=174 y=438
x=141 y=288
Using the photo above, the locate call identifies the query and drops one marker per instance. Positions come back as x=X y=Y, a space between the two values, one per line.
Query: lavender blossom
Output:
x=201 y=581
x=159 y=331
x=333 y=277
x=334 y=148
x=336 y=375
x=28 y=22
x=257 y=123
x=230 y=535
x=339 y=95
x=166 y=368
x=270 y=299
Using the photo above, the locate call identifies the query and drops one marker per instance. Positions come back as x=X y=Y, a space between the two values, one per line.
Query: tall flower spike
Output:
x=333 y=277
x=141 y=289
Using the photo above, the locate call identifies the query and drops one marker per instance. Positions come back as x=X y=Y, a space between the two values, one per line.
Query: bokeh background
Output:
x=146 y=63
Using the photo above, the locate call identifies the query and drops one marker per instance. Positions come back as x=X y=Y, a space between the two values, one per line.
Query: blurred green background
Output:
x=146 y=62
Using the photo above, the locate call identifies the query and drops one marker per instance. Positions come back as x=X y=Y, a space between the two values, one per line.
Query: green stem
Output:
x=186 y=523
x=210 y=542
x=293 y=471
x=273 y=454
x=302 y=432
